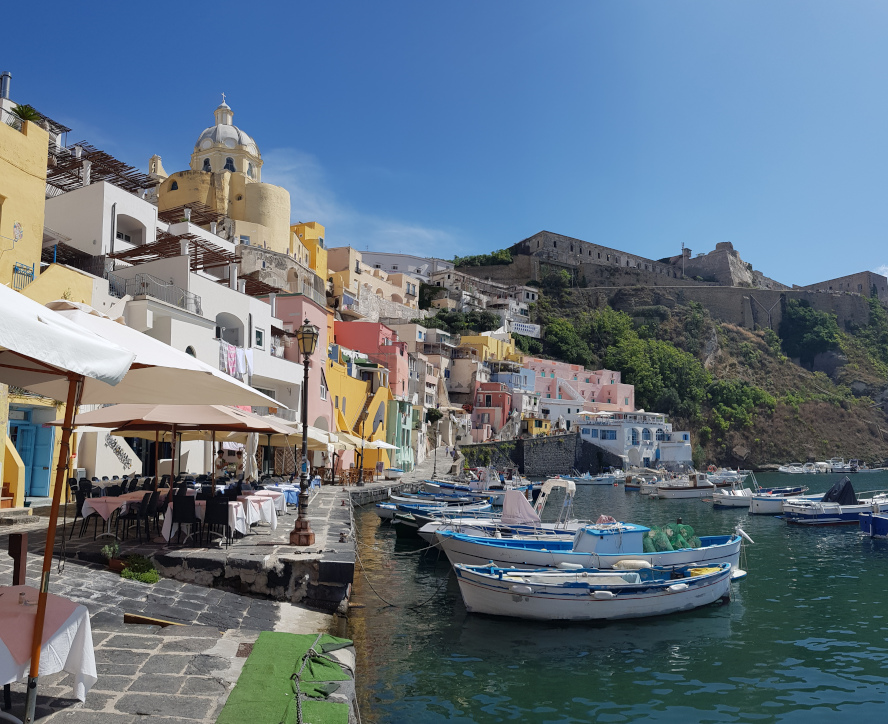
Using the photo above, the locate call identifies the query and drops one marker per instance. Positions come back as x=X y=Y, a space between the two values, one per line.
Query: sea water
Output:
x=804 y=638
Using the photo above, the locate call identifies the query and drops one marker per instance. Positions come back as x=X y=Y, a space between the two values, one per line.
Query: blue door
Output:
x=41 y=467
x=24 y=444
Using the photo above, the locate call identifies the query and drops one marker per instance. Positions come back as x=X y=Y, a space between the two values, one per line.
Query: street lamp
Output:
x=302 y=534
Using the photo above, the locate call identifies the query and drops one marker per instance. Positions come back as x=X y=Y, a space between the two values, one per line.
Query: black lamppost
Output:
x=302 y=534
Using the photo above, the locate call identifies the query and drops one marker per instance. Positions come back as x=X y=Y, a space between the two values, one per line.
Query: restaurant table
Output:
x=237 y=518
x=107 y=504
x=259 y=509
x=67 y=643
x=290 y=491
x=280 y=501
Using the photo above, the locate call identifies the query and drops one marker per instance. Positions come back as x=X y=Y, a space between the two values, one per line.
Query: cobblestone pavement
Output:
x=147 y=673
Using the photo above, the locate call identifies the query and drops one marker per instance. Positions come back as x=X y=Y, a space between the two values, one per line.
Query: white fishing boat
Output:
x=387 y=511
x=726 y=476
x=695 y=485
x=838 y=506
x=593 y=546
x=735 y=496
x=589 y=479
x=589 y=594
x=393 y=473
x=771 y=502
x=792 y=469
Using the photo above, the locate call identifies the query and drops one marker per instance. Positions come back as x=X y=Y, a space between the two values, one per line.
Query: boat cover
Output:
x=842 y=493
x=517 y=511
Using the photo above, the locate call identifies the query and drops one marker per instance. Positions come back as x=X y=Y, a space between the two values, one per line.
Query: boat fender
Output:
x=632 y=565
x=521 y=590
x=677 y=587
x=568 y=566
x=603 y=595
x=742 y=533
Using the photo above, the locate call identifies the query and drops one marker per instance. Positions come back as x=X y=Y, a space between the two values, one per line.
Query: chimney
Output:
x=188 y=215
x=86 y=174
x=232 y=276
x=5 y=80
x=242 y=286
x=212 y=227
x=272 y=300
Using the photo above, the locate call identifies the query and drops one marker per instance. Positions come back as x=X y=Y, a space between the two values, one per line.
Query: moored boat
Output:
x=735 y=496
x=695 y=485
x=590 y=594
x=838 y=506
x=874 y=525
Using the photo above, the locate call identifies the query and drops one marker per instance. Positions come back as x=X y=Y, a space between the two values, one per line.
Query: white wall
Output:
x=96 y=456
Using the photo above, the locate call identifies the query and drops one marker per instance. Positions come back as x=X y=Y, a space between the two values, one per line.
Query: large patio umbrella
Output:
x=196 y=421
x=39 y=347
x=52 y=354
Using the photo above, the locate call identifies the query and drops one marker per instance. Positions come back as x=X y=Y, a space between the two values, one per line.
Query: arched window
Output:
x=250 y=171
x=634 y=436
x=229 y=164
x=207 y=166
x=646 y=435
x=174 y=186
x=660 y=434
x=190 y=350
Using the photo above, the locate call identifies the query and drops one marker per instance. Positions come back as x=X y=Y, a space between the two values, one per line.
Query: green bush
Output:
x=807 y=332
x=140 y=568
x=501 y=256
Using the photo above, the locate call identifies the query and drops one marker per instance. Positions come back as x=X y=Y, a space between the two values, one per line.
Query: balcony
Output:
x=145 y=285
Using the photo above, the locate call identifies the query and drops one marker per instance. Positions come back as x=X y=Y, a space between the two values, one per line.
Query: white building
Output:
x=405 y=264
x=639 y=438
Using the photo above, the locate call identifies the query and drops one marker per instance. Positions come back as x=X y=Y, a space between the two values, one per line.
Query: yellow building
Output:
x=23 y=154
x=311 y=236
x=492 y=348
x=226 y=176
x=534 y=426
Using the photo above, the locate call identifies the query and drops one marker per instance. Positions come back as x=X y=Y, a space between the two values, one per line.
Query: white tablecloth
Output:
x=290 y=491
x=69 y=648
x=280 y=501
x=237 y=518
x=259 y=509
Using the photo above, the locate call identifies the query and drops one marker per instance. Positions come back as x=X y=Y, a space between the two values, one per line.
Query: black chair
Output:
x=95 y=479
x=185 y=513
x=217 y=517
x=164 y=481
x=113 y=490
x=80 y=500
x=104 y=478
x=85 y=486
x=153 y=511
x=96 y=492
x=146 y=484
x=114 y=477
x=136 y=515
x=132 y=485
x=161 y=510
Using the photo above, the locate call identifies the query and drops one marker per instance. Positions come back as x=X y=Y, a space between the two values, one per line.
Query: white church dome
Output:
x=224 y=134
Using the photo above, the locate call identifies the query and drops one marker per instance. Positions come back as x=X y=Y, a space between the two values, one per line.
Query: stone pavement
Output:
x=151 y=674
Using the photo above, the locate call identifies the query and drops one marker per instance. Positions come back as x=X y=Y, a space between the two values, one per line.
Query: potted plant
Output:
x=111 y=552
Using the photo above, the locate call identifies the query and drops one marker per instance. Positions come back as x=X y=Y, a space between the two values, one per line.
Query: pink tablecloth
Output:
x=66 y=643
x=280 y=501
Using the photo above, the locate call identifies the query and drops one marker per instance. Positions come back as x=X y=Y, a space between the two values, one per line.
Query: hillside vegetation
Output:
x=748 y=397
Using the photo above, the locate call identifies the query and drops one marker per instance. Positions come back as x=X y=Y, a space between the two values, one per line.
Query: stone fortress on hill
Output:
x=720 y=280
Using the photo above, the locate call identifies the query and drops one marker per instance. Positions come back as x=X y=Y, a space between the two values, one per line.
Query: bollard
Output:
x=678 y=522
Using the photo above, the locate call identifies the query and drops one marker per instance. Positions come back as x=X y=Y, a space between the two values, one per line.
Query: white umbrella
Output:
x=250 y=456
x=37 y=346
x=161 y=374
x=380 y=445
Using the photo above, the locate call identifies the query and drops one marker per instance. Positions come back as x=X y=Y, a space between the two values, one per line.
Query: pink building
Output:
x=381 y=345
x=563 y=381
x=493 y=403
x=293 y=310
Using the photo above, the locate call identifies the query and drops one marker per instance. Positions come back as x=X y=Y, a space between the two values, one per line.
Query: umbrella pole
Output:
x=156 y=458
x=75 y=387
x=213 y=468
x=174 y=463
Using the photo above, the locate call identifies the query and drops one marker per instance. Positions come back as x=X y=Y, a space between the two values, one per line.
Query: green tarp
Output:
x=265 y=690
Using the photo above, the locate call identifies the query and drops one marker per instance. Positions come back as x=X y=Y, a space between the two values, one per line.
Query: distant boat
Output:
x=589 y=479
x=393 y=473
x=726 y=475
x=695 y=485
x=590 y=594
x=840 y=505
x=792 y=469
x=734 y=497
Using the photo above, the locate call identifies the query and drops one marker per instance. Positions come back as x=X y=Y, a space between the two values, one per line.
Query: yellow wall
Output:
x=309 y=234
x=22 y=195
x=347 y=388
x=57 y=440
x=14 y=473
x=492 y=348
x=59 y=282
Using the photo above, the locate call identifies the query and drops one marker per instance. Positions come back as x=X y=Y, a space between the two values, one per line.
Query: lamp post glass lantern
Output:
x=302 y=534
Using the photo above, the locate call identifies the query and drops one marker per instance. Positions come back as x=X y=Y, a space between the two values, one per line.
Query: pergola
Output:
x=66 y=169
x=203 y=254
x=201 y=214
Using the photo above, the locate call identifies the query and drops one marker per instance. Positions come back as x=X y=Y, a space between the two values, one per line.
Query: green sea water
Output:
x=804 y=638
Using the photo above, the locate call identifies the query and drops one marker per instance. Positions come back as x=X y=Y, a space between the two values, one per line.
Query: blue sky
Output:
x=462 y=127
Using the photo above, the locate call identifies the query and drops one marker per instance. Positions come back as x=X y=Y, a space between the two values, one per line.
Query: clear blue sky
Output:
x=462 y=127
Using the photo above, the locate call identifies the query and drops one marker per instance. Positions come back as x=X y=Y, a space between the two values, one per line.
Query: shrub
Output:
x=140 y=568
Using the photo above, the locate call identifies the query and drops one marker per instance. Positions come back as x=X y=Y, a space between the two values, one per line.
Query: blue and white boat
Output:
x=838 y=506
x=589 y=594
x=387 y=511
x=593 y=546
x=875 y=526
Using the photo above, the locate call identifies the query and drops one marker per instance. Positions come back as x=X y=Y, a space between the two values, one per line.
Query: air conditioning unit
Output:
x=79 y=473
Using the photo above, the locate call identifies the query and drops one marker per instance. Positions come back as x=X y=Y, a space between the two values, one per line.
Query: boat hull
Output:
x=820 y=513
x=677 y=492
x=485 y=594
x=875 y=526
x=464 y=549
x=739 y=499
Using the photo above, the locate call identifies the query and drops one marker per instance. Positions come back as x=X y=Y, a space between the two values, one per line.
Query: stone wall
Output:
x=540 y=457
x=372 y=306
x=863 y=283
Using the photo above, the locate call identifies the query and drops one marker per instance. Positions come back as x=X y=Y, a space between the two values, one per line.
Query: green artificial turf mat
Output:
x=264 y=693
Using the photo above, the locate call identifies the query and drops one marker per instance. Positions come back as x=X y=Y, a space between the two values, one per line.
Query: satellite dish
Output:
x=634 y=457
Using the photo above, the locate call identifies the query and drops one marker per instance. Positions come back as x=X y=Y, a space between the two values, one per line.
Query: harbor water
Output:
x=804 y=638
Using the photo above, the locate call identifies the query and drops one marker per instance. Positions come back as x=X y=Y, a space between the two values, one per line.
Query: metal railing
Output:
x=11 y=120
x=22 y=275
x=150 y=286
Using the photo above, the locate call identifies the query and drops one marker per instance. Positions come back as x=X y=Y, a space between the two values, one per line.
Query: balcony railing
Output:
x=22 y=275
x=150 y=286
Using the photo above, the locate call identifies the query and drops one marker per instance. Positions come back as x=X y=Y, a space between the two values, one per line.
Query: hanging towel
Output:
x=232 y=360
x=249 y=357
x=241 y=362
x=223 y=355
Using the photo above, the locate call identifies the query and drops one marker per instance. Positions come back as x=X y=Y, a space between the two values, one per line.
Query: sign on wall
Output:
x=528 y=330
